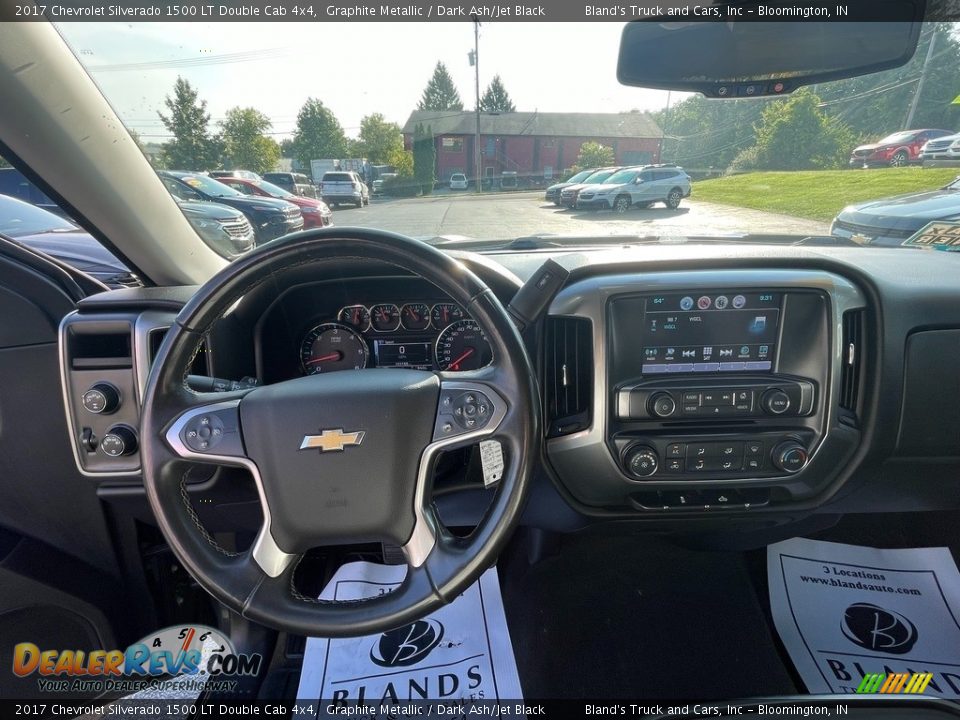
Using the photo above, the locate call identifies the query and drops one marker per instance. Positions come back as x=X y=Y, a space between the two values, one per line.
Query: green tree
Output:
x=245 y=143
x=593 y=154
x=318 y=134
x=495 y=98
x=378 y=139
x=424 y=158
x=402 y=161
x=191 y=147
x=286 y=148
x=795 y=134
x=3 y=162
x=440 y=93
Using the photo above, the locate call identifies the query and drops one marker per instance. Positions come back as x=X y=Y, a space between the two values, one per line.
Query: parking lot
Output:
x=511 y=215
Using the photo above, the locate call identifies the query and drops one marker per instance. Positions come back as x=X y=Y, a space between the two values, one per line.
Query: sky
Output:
x=354 y=68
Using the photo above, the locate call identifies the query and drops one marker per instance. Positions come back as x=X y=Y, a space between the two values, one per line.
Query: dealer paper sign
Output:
x=845 y=612
x=460 y=654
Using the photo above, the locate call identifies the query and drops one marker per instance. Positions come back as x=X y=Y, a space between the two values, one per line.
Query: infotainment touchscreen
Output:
x=709 y=332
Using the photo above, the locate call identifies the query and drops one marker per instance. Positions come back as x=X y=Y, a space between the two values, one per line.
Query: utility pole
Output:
x=476 y=67
x=923 y=77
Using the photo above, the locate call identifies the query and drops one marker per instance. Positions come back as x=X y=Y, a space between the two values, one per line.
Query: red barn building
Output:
x=535 y=145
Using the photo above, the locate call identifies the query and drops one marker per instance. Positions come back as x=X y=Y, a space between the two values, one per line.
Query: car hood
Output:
x=868 y=146
x=602 y=187
x=942 y=138
x=559 y=186
x=308 y=202
x=918 y=207
x=248 y=202
x=209 y=210
x=77 y=249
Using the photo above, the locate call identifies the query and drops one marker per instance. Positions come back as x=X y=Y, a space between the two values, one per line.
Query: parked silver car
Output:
x=639 y=186
x=339 y=187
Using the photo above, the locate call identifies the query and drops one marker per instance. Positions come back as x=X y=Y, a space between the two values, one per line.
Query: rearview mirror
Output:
x=752 y=59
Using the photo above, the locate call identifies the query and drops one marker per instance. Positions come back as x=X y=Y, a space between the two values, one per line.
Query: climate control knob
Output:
x=641 y=461
x=120 y=440
x=775 y=402
x=101 y=399
x=790 y=457
x=663 y=405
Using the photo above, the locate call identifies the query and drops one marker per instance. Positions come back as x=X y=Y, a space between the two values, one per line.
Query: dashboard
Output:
x=684 y=387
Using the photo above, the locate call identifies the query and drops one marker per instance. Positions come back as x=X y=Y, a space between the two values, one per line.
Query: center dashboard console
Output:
x=711 y=390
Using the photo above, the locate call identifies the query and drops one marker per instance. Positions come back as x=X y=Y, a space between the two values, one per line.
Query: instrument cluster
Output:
x=419 y=335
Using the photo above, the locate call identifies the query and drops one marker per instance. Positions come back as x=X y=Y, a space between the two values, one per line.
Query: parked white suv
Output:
x=639 y=186
x=458 y=181
x=344 y=186
x=941 y=148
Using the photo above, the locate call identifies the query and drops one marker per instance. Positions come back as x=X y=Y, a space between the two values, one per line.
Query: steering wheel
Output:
x=343 y=457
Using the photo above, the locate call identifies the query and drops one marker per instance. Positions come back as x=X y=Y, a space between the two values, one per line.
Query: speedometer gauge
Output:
x=330 y=347
x=463 y=346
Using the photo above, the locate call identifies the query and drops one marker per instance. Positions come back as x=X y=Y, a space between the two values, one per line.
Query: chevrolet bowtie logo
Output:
x=331 y=440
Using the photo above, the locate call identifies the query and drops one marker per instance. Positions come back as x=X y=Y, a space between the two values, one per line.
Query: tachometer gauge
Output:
x=385 y=317
x=356 y=316
x=463 y=346
x=445 y=313
x=415 y=316
x=330 y=347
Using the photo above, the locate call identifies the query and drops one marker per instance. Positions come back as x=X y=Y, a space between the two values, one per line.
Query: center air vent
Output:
x=568 y=375
x=852 y=350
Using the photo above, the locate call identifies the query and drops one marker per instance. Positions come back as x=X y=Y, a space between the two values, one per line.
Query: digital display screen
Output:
x=709 y=332
x=400 y=353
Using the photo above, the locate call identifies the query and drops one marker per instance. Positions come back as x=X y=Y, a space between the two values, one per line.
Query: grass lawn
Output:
x=818 y=194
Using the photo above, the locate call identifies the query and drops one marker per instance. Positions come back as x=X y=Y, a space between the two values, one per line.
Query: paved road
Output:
x=512 y=215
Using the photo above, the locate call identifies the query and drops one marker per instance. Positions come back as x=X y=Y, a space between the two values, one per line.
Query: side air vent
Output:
x=851 y=377
x=568 y=375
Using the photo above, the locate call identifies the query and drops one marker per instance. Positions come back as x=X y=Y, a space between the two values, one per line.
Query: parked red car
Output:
x=315 y=212
x=896 y=150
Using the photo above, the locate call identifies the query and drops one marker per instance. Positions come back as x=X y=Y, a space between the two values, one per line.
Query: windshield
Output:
x=898 y=137
x=622 y=177
x=208 y=185
x=201 y=96
x=19 y=219
x=272 y=189
x=579 y=177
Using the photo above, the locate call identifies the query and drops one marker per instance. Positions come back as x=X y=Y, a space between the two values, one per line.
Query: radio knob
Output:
x=120 y=440
x=662 y=405
x=790 y=457
x=642 y=461
x=775 y=402
x=101 y=399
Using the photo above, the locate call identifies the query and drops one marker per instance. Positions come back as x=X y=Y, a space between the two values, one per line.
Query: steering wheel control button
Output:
x=101 y=399
x=775 y=402
x=790 y=457
x=663 y=405
x=120 y=440
x=642 y=461
x=213 y=432
x=462 y=411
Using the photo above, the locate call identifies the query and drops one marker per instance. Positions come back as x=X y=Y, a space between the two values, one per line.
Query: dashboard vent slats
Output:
x=568 y=374
x=852 y=349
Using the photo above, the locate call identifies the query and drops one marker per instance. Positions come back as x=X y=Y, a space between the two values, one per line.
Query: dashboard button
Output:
x=752 y=464
x=752 y=449
x=101 y=399
x=663 y=405
x=680 y=498
x=641 y=461
x=790 y=456
x=775 y=402
x=720 y=498
x=692 y=398
x=676 y=450
x=675 y=465
x=718 y=397
x=730 y=450
x=698 y=450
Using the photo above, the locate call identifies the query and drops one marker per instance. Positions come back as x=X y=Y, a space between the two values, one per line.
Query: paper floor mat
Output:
x=460 y=652
x=845 y=612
